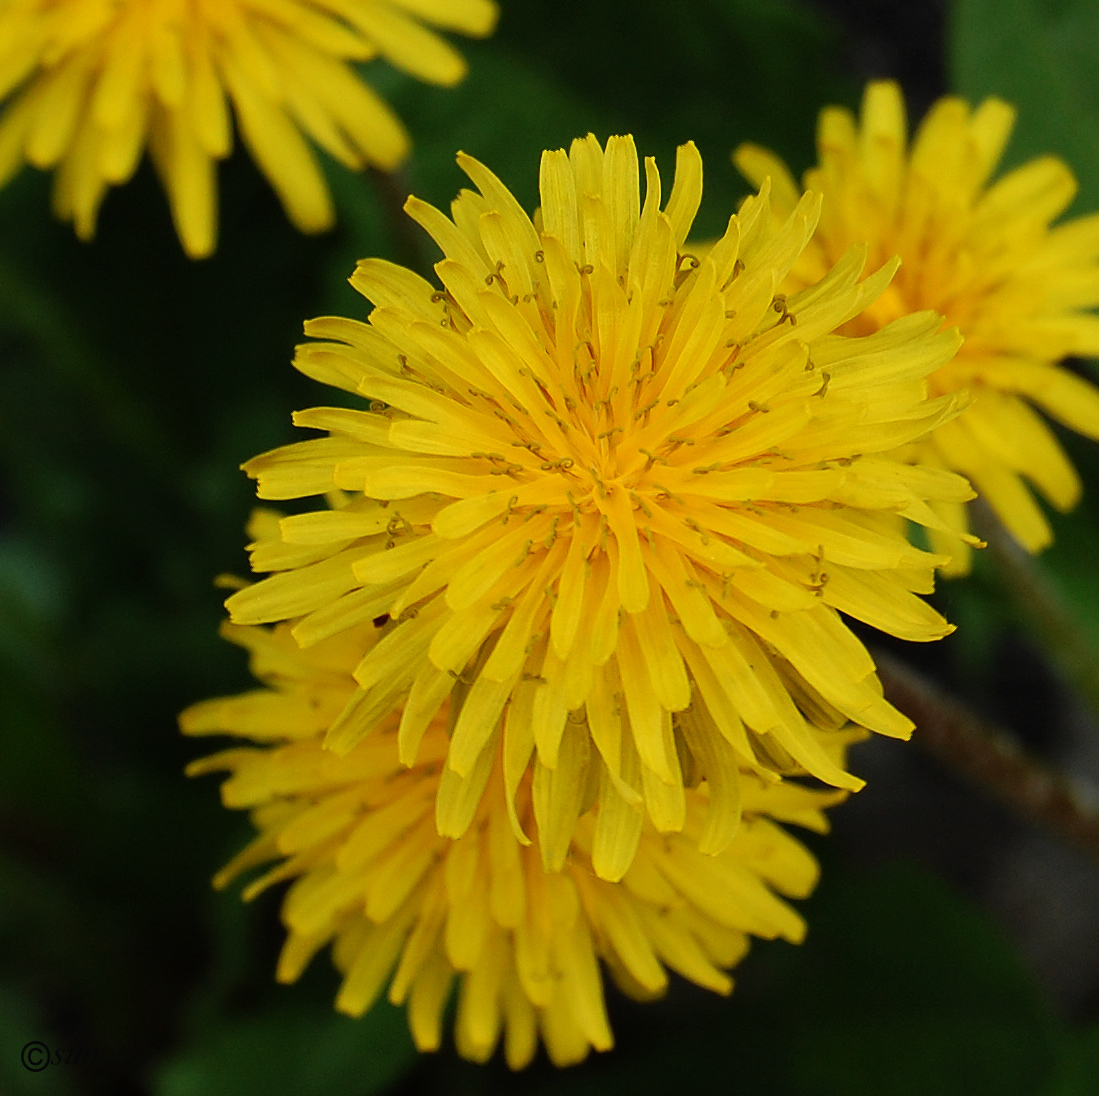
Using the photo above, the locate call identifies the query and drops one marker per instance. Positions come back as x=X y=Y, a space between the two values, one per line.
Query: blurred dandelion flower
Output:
x=89 y=83
x=608 y=491
x=402 y=905
x=985 y=257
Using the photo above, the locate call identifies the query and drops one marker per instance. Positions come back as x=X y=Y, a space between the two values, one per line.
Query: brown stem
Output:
x=989 y=757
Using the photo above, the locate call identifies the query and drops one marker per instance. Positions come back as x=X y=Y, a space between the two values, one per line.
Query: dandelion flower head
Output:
x=406 y=908
x=608 y=493
x=988 y=258
x=87 y=85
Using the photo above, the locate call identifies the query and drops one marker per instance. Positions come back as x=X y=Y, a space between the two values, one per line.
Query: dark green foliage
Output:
x=133 y=383
x=1039 y=55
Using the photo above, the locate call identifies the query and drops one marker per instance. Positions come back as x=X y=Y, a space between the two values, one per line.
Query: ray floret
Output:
x=988 y=257
x=87 y=85
x=608 y=493
x=418 y=915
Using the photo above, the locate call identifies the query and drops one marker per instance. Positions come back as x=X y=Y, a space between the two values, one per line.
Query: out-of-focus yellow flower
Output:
x=985 y=257
x=406 y=907
x=90 y=83
x=612 y=498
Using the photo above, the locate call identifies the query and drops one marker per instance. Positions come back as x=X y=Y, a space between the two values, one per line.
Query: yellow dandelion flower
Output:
x=608 y=492
x=86 y=85
x=404 y=907
x=987 y=258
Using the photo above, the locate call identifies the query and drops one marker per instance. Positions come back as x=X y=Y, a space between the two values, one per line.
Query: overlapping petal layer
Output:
x=987 y=257
x=612 y=499
x=89 y=84
x=404 y=907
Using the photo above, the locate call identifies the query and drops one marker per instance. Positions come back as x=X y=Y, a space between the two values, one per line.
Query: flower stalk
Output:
x=990 y=758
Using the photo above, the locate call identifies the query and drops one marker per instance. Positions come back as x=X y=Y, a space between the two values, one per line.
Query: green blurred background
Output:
x=952 y=948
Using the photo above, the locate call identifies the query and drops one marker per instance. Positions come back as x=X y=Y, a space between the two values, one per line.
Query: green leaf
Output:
x=1070 y=561
x=1039 y=55
x=294 y=1050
